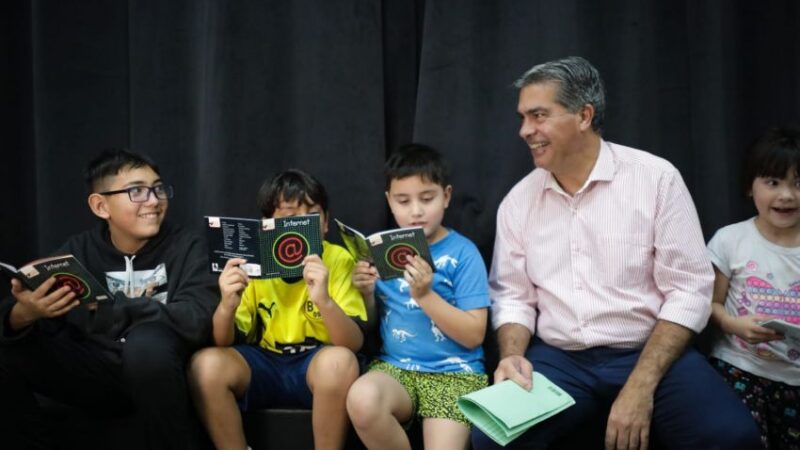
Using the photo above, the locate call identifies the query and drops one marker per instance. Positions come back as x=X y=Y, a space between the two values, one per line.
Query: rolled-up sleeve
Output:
x=682 y=270
x=512 y=292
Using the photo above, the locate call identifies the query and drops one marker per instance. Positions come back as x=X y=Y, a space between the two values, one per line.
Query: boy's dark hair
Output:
x=110 y=162
x=772 y=155
x=416 y=159
x=291 y=185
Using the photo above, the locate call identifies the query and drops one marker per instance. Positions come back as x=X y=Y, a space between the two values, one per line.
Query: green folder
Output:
x=505 y=410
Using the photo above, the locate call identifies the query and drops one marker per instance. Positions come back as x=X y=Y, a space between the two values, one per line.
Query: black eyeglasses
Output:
x=140 y=194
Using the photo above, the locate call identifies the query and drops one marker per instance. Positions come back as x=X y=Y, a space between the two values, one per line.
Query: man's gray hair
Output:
x=579 y=84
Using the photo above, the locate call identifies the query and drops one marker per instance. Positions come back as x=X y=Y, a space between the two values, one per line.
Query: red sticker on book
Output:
x=397 y=256
x=290 y=249
x=76 y=285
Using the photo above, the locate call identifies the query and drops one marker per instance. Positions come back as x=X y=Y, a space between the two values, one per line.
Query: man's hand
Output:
x=515 y=368
x=364 y=277
x=419 y=276
x=316 y=276
x=629 y=421
x=38 y=304
x=628 y=424
x=748 y=328
x=232 y=282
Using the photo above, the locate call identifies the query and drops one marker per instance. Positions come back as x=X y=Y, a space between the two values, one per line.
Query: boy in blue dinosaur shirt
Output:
x=432 y=322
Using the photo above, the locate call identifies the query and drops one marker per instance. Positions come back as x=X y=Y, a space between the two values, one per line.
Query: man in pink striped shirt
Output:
x=599 y=258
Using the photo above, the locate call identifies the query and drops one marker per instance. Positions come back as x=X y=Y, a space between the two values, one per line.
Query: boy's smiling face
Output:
x=130 y=224
x=417 y=202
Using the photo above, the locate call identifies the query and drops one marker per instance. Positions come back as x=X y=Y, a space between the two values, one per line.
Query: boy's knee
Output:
x=201 y=365
x=363 y=403
x=208 y=368
x=333 y=368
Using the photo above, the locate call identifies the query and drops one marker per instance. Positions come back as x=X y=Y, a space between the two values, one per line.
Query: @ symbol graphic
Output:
x=290 y=249
x=77 y=285
x=397 y=255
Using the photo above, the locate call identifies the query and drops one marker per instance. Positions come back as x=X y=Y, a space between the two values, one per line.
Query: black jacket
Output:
x=190 y=291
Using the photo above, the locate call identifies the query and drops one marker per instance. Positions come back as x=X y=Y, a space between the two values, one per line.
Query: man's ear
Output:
x=99 y=205
x=587 y=115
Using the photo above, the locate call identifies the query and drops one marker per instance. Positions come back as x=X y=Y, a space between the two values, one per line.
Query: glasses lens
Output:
x=138 y=194
x=163 y=191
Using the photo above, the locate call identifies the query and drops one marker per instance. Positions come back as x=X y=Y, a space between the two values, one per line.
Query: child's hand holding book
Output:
x=39 y=304
x=232 y=282
x=365 y=274
x=419 y=276
x=315 y=275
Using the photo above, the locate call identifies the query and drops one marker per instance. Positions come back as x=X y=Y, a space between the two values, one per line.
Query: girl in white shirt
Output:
x=757 y=267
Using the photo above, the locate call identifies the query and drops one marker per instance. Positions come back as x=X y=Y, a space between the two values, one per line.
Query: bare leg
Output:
x=329 y=376
x=217 y=376
x=377 y=405
x=445 y=434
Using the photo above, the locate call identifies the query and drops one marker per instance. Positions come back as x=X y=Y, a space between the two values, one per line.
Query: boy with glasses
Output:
x=127 y=354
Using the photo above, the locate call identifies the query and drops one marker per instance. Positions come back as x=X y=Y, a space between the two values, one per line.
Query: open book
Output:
x=273 y=248
x=505 y=410
x=790 y=330
x=67 y=270
x=387 y=250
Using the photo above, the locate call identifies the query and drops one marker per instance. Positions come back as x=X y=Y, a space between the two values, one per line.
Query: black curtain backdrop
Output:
x=223 y=94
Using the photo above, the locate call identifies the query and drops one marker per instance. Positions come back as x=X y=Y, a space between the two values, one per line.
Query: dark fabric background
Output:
x=223 y=94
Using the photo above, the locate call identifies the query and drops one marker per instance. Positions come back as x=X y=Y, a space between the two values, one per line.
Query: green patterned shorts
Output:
x=434 y=395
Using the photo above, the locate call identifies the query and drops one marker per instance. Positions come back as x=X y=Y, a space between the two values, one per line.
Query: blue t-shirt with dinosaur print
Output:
x=411 y=340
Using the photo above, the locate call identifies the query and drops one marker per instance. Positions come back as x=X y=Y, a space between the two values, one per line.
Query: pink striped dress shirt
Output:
x=600 y=267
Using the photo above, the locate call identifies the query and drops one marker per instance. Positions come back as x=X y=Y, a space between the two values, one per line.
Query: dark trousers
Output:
x=693 y=407
x=146 y=388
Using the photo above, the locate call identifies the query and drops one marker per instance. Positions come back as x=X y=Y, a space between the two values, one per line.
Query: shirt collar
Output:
x=605 y=166
x=603 y=170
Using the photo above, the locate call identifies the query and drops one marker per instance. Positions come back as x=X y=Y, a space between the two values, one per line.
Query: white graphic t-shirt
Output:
x=764 y=278
x=139 y=283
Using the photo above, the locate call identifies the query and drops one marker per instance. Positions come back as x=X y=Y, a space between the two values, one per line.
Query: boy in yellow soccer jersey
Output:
x=293 y=340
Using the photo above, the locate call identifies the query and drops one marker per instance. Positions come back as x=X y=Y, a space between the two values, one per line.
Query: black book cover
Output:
x=387 y=250
x=273 y=248
x=67 y=270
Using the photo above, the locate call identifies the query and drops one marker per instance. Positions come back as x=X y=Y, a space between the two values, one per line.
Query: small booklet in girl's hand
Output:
x=790 y=330
x=505 y=410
